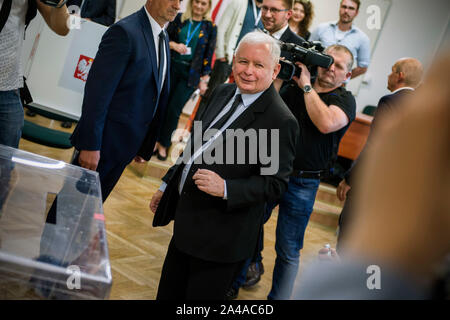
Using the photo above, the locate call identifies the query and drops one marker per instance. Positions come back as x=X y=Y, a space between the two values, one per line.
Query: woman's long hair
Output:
x=303 y=26
x=188 y=13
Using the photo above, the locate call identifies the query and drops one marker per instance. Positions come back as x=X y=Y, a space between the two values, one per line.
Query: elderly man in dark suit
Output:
x=126 y=93
x=218 y=205
x=275 y=15
x=405 y=77
x=99 y=11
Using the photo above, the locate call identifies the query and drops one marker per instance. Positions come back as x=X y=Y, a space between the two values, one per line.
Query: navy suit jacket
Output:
x=100 y=11
x=121 y=105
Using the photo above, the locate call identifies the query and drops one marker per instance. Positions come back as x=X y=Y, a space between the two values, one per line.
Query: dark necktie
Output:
x=226 y=116
x=161 y=58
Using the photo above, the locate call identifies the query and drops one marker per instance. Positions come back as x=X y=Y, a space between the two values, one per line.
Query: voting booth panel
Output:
x=52 y=232
x=57 y=67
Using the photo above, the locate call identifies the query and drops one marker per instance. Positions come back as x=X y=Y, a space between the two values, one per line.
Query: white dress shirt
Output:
x=156 y=30
x=277 y=35
x=402 y=88
x=247 y=100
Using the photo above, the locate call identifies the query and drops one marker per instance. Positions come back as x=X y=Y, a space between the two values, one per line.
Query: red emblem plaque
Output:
x=83 y=67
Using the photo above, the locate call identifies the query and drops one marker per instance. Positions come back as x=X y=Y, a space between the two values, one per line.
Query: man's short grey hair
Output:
x=339 y=47
x=257 y=37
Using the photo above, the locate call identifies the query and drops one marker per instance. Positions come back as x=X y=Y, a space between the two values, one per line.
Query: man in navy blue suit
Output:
x=99 y=11
x=126 y=93
x=405 y=77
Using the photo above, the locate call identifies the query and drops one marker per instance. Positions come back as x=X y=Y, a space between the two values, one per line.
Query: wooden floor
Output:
x=137 y=250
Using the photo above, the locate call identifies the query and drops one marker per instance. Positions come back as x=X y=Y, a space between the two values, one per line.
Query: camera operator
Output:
x=324 y=111
x=14 y=17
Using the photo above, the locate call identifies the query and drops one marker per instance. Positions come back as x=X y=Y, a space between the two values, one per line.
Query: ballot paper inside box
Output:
x=52 y=230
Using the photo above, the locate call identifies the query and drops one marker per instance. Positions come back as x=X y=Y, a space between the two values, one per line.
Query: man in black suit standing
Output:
x=275 y=15
x=218 y=206
x=99 y=11
x=405 y=77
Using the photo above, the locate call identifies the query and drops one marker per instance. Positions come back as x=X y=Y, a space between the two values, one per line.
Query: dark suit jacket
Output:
x=214 y=229
x=290 y=37
x=100 y=11
x=386 y=106
x=119 y=115
x=202 y=58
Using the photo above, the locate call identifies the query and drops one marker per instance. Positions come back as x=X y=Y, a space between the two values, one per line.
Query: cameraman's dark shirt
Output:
x=315 y=149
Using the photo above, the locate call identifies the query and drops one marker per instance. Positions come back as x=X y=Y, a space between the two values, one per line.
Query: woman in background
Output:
x=302 y=15
x=192 y=40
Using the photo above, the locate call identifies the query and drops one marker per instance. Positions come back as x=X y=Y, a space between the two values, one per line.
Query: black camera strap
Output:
x=31 y=12
x=4 y=13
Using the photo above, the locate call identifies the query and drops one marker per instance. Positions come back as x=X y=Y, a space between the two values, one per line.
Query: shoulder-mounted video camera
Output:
x=310 y=53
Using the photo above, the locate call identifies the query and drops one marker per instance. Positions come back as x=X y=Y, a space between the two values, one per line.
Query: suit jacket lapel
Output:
x=285 y=37
x=249 y=115
x=259 y=106
x=148 y=35
x=216 y=105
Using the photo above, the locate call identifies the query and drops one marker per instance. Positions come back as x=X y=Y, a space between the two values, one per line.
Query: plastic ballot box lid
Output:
x=52 y=230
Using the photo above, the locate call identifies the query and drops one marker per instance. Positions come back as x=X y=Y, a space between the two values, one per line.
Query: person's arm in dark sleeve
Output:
x=104 y=77
x=383 y=106
x=108 y=16
x=262 y=188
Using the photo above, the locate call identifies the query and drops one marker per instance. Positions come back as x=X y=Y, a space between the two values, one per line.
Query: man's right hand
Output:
x=342 y=190
x=155 y=200
x=89 y=159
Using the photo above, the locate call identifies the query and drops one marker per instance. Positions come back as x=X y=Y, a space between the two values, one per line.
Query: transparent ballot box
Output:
x=52 y=231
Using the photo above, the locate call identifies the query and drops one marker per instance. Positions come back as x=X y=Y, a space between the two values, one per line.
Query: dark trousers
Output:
x=219 y=75
x=180 y=92
x=185 y=277
x=344 y=219
x=109 y=175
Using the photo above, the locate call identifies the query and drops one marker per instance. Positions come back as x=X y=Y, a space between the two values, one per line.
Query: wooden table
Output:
x=355 y=138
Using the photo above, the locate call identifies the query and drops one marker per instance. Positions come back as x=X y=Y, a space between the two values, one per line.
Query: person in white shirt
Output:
x=11 y=69
x=345 y=33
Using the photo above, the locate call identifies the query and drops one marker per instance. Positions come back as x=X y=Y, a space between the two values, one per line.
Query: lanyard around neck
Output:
x=191 y=35
x=256 y=14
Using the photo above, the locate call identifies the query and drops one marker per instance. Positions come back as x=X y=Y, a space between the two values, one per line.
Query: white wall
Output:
x=413 y=28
